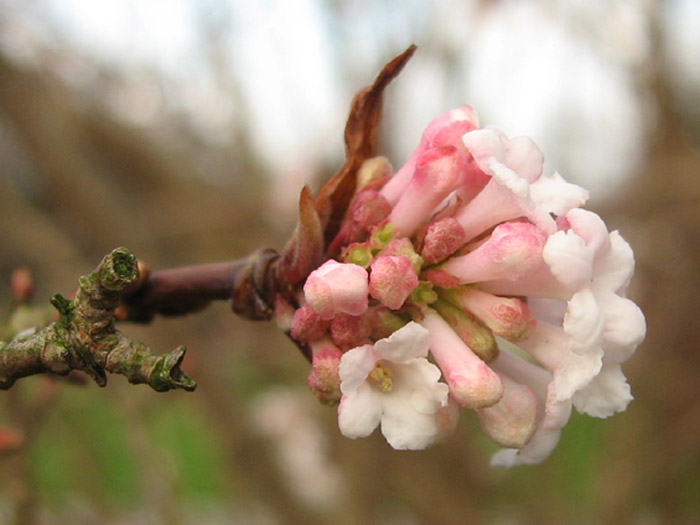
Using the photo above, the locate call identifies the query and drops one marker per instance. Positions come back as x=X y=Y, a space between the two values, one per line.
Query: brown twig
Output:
x=248 y=284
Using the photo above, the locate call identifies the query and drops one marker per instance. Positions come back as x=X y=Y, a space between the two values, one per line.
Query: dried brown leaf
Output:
x=361 y=132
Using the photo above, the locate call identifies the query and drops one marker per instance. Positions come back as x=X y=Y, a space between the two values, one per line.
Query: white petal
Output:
x=524 y=157
x=406 y=428
x=614 y=271
x=536 y=451
x=584 y=323
x=625 y=326
x=556 y=411
x=575 y=372
x=427 y=395
x=591 y=228
x=606 y=394
x=569 y=259
x=355 y=366
x=549 y=345
x=408 y=342
x=508 y=178
x=360 y=413
x=554 y=195
x=485 y=144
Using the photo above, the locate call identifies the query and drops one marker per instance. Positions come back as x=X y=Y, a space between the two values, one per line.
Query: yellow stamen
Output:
x=382 y=375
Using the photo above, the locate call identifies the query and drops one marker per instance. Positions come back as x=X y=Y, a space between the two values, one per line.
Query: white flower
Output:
x=392 y=383
x=503 y=252
x=586 y=327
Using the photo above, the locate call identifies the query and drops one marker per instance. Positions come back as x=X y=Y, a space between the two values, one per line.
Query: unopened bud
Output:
x=439 y=171
x=349 y=331
x=404 y=247
x=469 y=329
x=391 y=280
x=373 y=169
x=337 y=288
x=383 y=322
x=512 y=421
x=424 y=294
x=381 y=236
x=10 y=439
x=306 y=324
x=507 y=317
x=283 y=314
x=472 y=383
x=22 y=284
x=323 y=379
x=358 y=253
x=442 y=239
x=513 y=250
x=369 y=208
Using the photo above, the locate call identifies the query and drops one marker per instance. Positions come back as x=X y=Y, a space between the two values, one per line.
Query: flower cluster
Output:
x=469 y=279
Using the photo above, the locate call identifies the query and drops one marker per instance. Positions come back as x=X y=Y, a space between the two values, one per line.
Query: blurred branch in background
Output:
x=77 y=179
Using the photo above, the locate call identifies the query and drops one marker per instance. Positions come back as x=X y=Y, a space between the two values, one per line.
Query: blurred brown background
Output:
x=80 y=176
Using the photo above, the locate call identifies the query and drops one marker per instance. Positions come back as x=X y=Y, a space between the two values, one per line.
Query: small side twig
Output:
x=85 y=338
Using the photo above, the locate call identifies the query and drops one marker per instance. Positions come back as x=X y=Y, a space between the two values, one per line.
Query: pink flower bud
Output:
x=433 y=133
x=381 y=235
x=424 y=294
x=507 y=317
x=383 y=322
x=349 y=331
x=441 y=240
x=404 y=247
x=324 y=380
x=447 y=418
x=438 y=172
x=513 y=420
x=337 y=287
x=307 y=325
x=22 y=284
x=475 y=335
x=283 y=314
x=359 y=253
x=368 y=209
x=392 y=279
x=373 y=169
x=513 y=165
x=472 y=383
x=10 y=439
x=512 y=252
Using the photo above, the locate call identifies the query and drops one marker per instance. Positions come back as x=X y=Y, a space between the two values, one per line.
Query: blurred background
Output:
x=184 y=130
